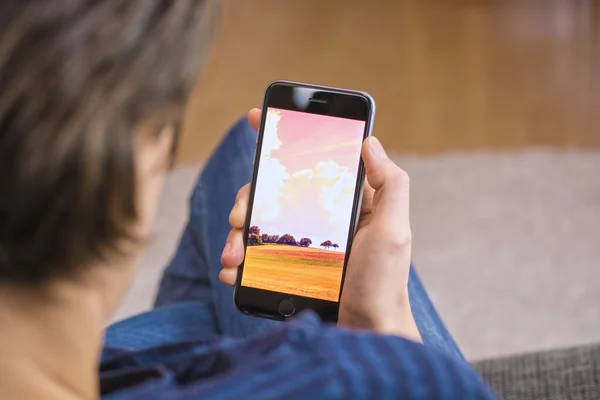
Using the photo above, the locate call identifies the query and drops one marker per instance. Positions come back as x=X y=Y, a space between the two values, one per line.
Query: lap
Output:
x=172 y=323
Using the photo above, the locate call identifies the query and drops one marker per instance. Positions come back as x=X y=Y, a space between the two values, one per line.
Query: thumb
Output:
x=391 y=184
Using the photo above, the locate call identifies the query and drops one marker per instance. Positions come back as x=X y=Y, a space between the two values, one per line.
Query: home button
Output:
x=286 y=307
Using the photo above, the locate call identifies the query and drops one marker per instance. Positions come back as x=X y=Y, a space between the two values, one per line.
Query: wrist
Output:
x=400 y=323
x=396 y=320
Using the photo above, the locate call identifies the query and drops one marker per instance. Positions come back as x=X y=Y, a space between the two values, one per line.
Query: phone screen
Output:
x=303 y=201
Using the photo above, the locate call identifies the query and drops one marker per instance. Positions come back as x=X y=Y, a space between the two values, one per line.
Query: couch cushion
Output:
x=559 y=374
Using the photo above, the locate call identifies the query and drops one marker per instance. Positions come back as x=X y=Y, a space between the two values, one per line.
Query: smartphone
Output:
x=305 y=197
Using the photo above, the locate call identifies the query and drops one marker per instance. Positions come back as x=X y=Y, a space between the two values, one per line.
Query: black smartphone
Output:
x=305 y=197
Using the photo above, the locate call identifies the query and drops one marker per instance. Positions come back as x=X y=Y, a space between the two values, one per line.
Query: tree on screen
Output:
x=287 y=239
x=326 y=244
x=266 y=238
x=305 y=242
x=335 y=246
x=254 y=239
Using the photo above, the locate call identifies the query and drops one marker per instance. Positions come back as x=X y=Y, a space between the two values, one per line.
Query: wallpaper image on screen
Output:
x=303 y=204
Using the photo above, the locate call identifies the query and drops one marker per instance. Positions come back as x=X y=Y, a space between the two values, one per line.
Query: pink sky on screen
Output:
x=310 y=138
x=307 y=175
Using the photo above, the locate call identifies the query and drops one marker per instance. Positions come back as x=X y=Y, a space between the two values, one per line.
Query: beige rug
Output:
x=508 y=245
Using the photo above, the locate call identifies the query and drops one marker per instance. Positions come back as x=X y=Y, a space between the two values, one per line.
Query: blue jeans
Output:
x=192 y=304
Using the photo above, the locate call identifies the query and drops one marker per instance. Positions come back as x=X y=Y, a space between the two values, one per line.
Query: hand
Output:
x=375 y=293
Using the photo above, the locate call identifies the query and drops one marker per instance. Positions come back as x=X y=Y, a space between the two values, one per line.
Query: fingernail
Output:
x=376 y=147
x=227 y=248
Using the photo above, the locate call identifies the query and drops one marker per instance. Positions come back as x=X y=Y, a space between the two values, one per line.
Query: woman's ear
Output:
x=155 y=147
x=153 y=157
x=168 y=143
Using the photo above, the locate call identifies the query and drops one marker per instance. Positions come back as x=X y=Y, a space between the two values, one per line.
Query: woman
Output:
x=91 y=94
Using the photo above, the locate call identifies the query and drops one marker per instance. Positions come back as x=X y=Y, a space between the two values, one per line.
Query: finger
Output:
x=391 y=183
x=233 y=252
x=228 y=276
x=367 y=200
x=254 y=118
x=366 y=206
x=380 y=169
x=237 y=216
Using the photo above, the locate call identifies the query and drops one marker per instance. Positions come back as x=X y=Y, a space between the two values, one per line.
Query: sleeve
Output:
x=385 y=367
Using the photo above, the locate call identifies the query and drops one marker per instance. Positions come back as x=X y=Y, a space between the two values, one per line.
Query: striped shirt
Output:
x=304 y=359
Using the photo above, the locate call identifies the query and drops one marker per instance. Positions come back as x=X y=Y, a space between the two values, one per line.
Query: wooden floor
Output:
x=446 y=74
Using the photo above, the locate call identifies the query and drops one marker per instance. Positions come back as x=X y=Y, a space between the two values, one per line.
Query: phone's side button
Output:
x=286 y=307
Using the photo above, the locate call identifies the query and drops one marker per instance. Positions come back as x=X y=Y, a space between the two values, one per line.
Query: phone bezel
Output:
x=330 y=101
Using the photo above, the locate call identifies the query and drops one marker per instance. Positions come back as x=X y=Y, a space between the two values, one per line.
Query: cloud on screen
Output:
x=313 y=202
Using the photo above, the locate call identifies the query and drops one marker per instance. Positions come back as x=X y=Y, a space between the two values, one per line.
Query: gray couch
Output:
x=568 y=374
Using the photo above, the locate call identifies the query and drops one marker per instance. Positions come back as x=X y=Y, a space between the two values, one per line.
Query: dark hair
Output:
x=76 y=78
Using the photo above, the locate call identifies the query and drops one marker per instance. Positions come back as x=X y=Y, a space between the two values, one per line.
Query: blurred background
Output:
x=493 y=107
x=447 y=75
